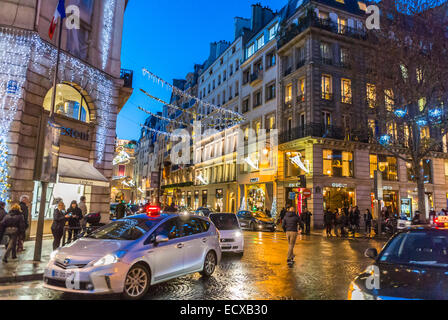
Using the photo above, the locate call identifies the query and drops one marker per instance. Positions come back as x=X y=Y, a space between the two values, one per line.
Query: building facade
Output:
x=90 y=93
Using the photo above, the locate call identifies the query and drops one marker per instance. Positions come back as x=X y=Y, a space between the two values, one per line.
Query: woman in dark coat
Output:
x=12 y=225
x=57 y=228
x=74 y=221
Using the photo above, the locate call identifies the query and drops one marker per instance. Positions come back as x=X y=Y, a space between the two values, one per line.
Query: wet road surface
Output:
x=324 y=269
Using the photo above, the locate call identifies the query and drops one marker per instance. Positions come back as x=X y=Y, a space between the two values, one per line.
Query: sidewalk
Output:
x=24 y=268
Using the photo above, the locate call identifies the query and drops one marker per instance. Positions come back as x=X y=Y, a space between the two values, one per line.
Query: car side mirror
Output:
x=371 y=253
x=161 y=239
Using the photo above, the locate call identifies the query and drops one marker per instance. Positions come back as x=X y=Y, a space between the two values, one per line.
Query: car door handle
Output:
x=180 y=245
x=204 y=240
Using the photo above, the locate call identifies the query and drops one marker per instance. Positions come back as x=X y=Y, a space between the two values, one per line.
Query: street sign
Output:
x=307 y=193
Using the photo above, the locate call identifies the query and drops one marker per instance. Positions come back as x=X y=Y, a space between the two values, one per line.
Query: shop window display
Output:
x=338 y=163
x=386 y=165
x=256 y=198
x=69 y=102
x=338 y=198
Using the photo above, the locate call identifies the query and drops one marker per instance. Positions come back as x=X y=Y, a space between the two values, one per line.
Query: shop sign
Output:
x=388 y=188
x=339 y=185
x=12 y=87
x=69 y=132
x=254 y=180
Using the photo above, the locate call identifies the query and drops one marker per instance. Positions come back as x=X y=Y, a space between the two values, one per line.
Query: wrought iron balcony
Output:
x=127 y=76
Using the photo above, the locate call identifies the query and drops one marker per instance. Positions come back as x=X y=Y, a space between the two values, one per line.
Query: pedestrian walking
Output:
x=368 y=222
x=12 y=225
x=351 y=220
x=83 y=206
x=24 y=204
x=74 y=221
x=307 y=220
x=290 y=225
x=57 y=228
x=357 y=219
x=328 y=219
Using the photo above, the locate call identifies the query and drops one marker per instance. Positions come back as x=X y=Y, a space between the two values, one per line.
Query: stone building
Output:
x=90 y=93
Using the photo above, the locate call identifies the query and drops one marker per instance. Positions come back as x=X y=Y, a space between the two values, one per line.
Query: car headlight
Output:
x=355 y=293
x=53 y=255
x=109 y=259
x=238 y=234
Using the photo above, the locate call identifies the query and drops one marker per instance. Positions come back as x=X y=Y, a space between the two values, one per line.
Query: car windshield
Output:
x=127 y=229
x=261 y=215
x=225 y=221
x=418 y=248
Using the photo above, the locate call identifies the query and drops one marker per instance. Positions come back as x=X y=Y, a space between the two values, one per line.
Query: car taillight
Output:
x=153 y=211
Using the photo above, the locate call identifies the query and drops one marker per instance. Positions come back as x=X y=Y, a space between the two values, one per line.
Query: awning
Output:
x=80 y=172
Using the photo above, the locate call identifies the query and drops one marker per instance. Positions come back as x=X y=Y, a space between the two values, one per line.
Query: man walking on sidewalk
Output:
x=290 y=225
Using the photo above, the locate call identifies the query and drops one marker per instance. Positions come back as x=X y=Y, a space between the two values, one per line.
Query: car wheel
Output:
x=209 y=264
x=137 y=282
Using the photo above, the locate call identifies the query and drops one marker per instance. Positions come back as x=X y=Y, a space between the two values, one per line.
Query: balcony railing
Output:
x=321 y=131
x=256 y=77
x=325 y=24
x=127 y=76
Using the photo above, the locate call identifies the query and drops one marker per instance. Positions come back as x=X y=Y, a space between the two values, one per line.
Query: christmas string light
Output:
x=163 y=133
x=180 y=92
x=106 y=33
x=163 y=118
x=168 y=104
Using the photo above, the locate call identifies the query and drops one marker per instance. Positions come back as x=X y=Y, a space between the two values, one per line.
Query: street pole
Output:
x=44 y=184
x=379 y=198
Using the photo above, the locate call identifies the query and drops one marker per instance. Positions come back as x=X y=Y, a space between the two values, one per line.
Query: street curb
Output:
x=22 y=278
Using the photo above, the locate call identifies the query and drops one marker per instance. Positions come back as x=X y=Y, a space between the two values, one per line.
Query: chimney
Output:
x=213 y=47
x=260 y=16
x=240 y=25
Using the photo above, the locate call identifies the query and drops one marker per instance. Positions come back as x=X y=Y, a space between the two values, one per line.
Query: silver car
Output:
x=129 y=255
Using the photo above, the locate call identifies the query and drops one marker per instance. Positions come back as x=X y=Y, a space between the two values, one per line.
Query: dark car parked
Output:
x=413 y=265
x=256 y=221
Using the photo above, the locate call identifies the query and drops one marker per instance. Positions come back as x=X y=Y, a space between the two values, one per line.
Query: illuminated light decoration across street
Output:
x=201 y=179
x=435 y=113
x=385 y=139
x=421 y=122
x=106 y=32
x=400 y=112
x=297 y=160
x=163 y=118
x=122 y=158
x=249 y=161
x=164 y=133
x=186 y=95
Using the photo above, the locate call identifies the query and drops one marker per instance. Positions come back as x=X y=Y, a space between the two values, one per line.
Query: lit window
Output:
x=346 y=90
x=342 y=25
x=337 y=163
x=273 y=31
x=389 y=99
x=260 y=42
x=69 y=102
x=327 y=87
x=251 y=50
x=301 y=89
x=288 y=93
x=371 y=95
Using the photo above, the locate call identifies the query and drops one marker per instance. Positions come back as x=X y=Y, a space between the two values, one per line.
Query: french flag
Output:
x=58 y=13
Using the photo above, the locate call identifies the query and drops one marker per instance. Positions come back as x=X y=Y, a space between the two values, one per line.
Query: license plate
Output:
x=59 y=274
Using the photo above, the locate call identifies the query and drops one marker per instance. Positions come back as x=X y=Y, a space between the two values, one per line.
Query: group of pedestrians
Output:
x=13 y=225
x=346 y=220
x=73 y=217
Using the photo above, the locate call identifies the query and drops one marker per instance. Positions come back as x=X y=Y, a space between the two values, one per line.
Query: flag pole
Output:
x=44 y=184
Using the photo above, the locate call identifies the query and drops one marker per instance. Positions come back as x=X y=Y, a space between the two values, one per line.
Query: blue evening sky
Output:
x=168 y=38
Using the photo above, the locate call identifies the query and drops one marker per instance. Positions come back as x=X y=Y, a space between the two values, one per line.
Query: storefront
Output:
x=219 y=200
x=256 y=197
x=338 y=197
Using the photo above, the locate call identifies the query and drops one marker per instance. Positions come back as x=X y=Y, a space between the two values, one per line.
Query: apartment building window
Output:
x=271 y=122
x=337 y=163
x=231 y=70
x=301 y=90
x=270 y=91
x=224 y=77
x=289 y=126
x=389 y=99
x=323 y=15
x=425 y=133
x=237 y=65
x=260 y=42
x=209 y=88
x=326 y=120
x=272 y=31
x=251 y=50
x=342 y=25
x=219 y=99
x=230 y=93
x=213 y=85
x=371 y=95
x=301 y=55
x=224 y=97
x=246 y=105
x=257 y=128
x=258 y=98
x=344 y=56
x=325 y=53
x=271 y=59
x=246 y=134
x=219 y=80
x=288 y=93
x=327 y=87
x=346 y=91
x=246 y=76
x=386 y=165
x=237 y=88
